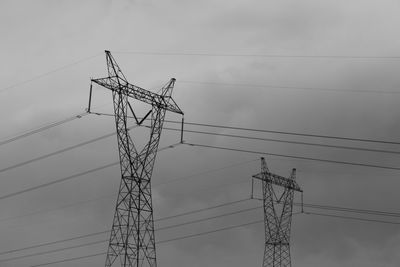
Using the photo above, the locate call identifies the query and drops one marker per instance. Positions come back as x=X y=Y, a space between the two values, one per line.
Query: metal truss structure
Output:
x=277 y=225
x=132 y=241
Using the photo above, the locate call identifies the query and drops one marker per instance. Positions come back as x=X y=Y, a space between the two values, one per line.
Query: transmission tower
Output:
x=277 y=224
x=132 y=241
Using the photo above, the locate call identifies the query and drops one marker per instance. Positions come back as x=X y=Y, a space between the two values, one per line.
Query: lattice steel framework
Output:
x=132 y=241
x=277 y=225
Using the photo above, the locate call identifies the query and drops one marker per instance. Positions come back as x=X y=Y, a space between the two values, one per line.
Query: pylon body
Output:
x=277 y=224
x=132 y=241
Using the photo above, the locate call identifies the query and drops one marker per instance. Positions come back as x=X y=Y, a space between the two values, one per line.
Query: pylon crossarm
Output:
x=278 y=180
x=136 y=92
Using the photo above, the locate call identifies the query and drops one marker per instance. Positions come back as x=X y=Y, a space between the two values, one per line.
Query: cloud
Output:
x=43 y=36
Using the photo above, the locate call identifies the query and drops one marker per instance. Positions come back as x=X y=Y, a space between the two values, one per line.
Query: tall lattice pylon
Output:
x=277 y=225
x=132 y=241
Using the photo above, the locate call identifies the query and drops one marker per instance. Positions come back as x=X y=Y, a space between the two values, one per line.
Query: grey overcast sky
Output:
x=51 y=49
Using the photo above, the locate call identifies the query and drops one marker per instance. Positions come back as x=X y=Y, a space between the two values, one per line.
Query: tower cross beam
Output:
x=278 y=180
x=139 y=93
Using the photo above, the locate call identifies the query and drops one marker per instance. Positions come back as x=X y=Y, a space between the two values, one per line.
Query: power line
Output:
x=208 y=218
x=60 y=151
x=91 y=200
x=70 y=259
x=375 y=166
x=350 y=210
x=69 y=177
x=49 y=72
x=53 y=250
x=106 y=231
x=287 y=141
x=112 y=134
x=53 y=242
x=351 y=218
x=191 y=222
x=203 y=209
x=57 y=181
x=182 y=224
x=46 y=127
x=162 y=241
x=152 y=53
x=80 y=115
x=194 y=235
x=80 y=203
x=210 y=232
x=315 y=206
x=290 y=133
x=344 y=209
x=297 y=157
x=272 y=131
x=198 y=132
x=105 y=166
x=308 y=205
x=206 y=172
x=42 y=128
x=292 y=87
x=92 y=170
x=108 y=196
x=102 y=241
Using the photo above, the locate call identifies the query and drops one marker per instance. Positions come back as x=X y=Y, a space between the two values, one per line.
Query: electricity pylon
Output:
x=132 y=241
x=277 y=226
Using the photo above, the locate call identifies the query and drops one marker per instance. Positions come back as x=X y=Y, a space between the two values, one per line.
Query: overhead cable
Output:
x=307 y=205
x=179 y=225
x=106 y=231
x=291 y=133
x=103 y=241
x=247 y=85
x=59 y=151
x=287 y=141
x=351 y=218
x=108 y=196
x=161 y=242
x=49 y=72
x=69 y=177
x=257 y=55
x=42 y=128
x=296 y=157
x=367 y=140
x=349 y=210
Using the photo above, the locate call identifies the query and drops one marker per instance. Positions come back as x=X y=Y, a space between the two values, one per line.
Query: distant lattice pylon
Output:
x=132 y=241
x=277 y=225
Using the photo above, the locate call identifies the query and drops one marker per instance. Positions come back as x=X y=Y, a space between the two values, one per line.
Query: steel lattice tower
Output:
x=132 y=241
x=277 y=226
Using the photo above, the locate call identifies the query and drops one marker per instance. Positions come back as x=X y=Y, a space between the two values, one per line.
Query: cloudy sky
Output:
x=316 y=67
